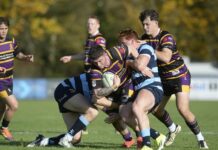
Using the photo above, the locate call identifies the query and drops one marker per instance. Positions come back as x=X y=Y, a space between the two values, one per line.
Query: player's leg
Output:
x=129 y=118
x=121 y=127
x=161 y=114
x=144 y=101
x=69 y=119
x=2 y=109
x=114 y=118
x=88 y=114
x=12 y=106
x=182 y=101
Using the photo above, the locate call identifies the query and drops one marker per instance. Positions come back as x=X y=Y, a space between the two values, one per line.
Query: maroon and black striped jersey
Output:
x=90 y=42
x=176 y=67
x=117 y=55
x=8 y=50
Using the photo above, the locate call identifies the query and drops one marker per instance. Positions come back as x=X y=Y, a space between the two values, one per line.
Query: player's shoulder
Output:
x=163 y=35
x=100 y=40
x=99 y=36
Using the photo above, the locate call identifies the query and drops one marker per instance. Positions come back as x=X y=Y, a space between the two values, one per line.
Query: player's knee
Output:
x=13 y=107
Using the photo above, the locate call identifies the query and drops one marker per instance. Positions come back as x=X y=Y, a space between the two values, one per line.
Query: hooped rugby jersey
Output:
x=117 y=55
x=176 y=67
x=8 y=50
x=138 y=78
x=90 y=42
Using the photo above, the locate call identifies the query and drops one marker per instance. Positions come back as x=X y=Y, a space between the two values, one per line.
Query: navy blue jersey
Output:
x=72 y=86
x=140 y=81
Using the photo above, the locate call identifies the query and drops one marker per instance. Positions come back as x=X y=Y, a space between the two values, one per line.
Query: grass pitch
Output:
x=34 y=117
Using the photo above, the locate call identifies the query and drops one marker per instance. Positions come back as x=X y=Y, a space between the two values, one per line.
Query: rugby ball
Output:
x=107 y=79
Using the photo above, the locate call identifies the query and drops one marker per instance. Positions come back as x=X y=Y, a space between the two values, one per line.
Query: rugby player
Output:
x=73 y=96
x=94 y=38
x=148 y=90
x=8 y=51
x=174 y=74
x=114 y=60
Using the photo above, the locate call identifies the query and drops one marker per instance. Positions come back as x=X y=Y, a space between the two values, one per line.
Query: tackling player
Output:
x=114 y=60
x=73 y=96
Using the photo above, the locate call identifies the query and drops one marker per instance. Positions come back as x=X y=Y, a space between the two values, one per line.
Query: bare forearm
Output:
x=163 y=56
x=105 y=91
x=106 y=103
x=79 y=56
x=20 y=56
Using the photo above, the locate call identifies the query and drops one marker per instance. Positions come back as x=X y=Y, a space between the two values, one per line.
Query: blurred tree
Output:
x=53 y=28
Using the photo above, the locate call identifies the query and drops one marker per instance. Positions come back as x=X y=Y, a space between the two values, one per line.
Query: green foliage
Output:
x=53 y=28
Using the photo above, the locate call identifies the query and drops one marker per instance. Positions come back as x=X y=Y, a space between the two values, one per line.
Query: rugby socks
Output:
x=172 y=127
x=137 y=133
x=127 y=137
x=146 y=137
x=80 y=124
x=55 y=140
x=154 y=133
x=165 y=119
x=194 y=127
x=5 y=123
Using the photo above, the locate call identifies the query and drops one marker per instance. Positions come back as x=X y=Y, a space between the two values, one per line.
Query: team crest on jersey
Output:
x=100 y=41
x=93 y=83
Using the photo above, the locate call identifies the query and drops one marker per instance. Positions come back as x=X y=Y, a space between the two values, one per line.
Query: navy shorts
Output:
x=63 y=94
x=158 y=94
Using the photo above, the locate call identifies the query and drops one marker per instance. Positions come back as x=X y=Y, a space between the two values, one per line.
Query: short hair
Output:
x=128 y=33
x=96 y=52
x=95 y=17
x=4 y=20
x=149 y=13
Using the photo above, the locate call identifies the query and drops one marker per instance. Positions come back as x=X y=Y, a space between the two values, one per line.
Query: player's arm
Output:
x=164 y=55
x=66 y=59
x=140 y=64
x=105 y=91
x=104 y=103
x=23 y=57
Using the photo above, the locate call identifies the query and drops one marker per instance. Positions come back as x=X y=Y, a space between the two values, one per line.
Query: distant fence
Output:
x=202 y=88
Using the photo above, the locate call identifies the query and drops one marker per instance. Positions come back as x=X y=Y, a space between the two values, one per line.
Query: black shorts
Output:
x=173 y=86
x=63 y=94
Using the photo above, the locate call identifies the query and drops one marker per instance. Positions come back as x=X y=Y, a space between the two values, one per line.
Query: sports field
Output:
x=34 y=117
